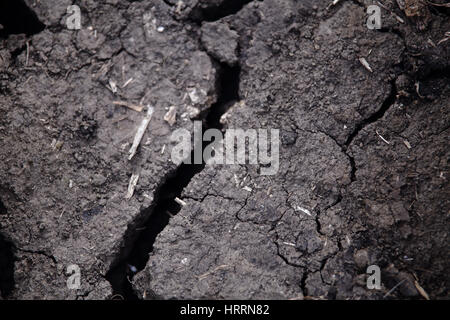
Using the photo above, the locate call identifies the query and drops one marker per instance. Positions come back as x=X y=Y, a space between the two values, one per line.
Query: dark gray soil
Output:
x=363 y=176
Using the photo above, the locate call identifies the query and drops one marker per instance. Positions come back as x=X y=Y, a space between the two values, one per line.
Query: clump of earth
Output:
x=363 y=177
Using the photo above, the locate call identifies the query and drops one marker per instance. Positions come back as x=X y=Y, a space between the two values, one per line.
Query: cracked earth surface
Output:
x=363 y=175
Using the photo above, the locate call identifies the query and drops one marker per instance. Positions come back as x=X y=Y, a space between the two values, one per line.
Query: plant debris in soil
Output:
x=87 y=177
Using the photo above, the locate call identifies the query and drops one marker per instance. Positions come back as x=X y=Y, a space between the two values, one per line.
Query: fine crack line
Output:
x=39 y=252
x=388 y=102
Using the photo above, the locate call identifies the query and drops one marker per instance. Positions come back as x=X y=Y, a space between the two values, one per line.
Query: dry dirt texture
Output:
x=363 y=177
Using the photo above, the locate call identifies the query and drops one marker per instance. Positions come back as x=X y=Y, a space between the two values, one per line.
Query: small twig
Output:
x=132 y=185
x=399 y=19
x=112 y=86
x=60 y=216
x=180 y=202
x=127 y=83
x=422 y=292
x=383 y=6
x=298 y=208
x=381 y=137
x=171 y=116
x=119 y=119
x=169 y=214
x=335 y=2
x=417 y=85
x=365 y=64
x=28 y=53
x=300 y=297
x=447 y=5
x=140 y=132
x=223 y=266
x=407 y=144
x=129 y=105
x=446 y=37
x=395 y=287
x=313 y=298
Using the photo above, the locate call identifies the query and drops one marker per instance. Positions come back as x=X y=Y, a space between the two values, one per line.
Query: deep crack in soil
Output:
x=390 y=100
x=16 y=18
x=226 y=8
x=6 y=267
x=164 y=205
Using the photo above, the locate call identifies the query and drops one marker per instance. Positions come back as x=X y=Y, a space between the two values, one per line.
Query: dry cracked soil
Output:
x=363 y=177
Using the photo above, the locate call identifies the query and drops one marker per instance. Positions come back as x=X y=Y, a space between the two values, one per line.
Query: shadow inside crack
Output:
x=212 y=13
x=6 y=267
x=158 y=218
x=17 y=18
x=3 y=209
x=387 y=103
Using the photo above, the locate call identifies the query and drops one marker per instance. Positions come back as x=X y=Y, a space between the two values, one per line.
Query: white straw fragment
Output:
x=381 y=137
x=112 y=86
x=140 y=132
x=304 y=210
x=365 y=64
x=422 y=292
x=137 y=108
x=289 y=244
x=132 y=185
x=399 y=19
x=171 y=116
x=127 y=82
x=28 y=53
x=393 y=289
x=335 y=2
x=180 y=202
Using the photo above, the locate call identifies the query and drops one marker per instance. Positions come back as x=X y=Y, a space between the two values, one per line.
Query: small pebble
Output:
x=132 y=268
